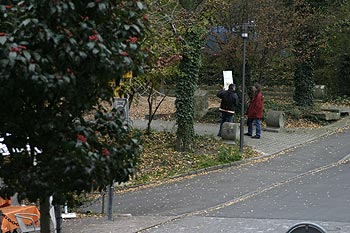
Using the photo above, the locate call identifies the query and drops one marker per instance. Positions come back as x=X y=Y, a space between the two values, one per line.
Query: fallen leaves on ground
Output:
x=301 y=123
x=160 y=160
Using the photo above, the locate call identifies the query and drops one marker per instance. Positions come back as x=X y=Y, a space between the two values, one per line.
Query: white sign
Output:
x=228 y=78
x=122 y=107
x=3 y=148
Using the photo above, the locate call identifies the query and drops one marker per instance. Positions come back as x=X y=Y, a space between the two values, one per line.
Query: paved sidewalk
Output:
x=269 y=144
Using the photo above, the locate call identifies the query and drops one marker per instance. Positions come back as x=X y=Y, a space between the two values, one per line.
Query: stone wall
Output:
x=200 y=103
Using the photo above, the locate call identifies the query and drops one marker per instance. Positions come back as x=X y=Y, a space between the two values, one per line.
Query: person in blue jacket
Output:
x=228 y=105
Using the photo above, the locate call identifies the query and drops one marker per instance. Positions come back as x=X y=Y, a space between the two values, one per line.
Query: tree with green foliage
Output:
x=178 y=34
x=269 y=57
x=56 y=60
x=333 y=63
x=191 y=43
x=163 y=61
x=306 y=45
x=186 y=85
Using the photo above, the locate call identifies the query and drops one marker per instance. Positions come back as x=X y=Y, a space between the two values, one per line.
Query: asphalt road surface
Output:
x=310 y=183
x=307 y=184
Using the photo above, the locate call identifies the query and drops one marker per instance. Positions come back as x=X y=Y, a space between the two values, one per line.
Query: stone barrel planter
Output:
x=274 y=120
x=230 y=131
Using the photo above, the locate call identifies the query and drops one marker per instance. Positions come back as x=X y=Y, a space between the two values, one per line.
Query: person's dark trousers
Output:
x=257 y=123
x=225 y=117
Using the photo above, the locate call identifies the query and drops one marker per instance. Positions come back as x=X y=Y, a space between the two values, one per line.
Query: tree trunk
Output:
x=185 y=88
x=45 y=215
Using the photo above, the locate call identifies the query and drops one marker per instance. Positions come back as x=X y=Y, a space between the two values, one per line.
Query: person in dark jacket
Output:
x=255 y=112
x=228 y=105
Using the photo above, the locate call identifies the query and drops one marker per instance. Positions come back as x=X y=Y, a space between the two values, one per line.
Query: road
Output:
x=310 y=183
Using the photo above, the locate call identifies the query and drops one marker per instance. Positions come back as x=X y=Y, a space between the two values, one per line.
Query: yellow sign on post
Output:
x=128 y=75
x=119 y=88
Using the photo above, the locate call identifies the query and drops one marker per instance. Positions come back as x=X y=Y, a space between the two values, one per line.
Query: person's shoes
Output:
x=256 y=137
x=248 y=134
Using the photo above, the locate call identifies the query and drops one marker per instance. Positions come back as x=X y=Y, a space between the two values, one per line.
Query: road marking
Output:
x=347 y=157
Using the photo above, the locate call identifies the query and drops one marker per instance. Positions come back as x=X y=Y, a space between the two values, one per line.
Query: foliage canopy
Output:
x=56 y=60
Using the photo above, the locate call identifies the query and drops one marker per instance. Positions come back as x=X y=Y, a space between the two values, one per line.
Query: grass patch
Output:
x=229 y=154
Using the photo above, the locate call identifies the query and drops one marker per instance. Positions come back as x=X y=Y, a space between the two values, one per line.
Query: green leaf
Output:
x=48 y=34
x=72 y=41
x=71 y=4
x=133 y=46
x=137 y=28
x=25 y=22
x=83 y=25
x=127 y=60
x=65 y=6
x=83 y=55
x=12 y=56
x=37 y=56
x=91 y=45
x=139 y=5
x=27 y=55
x=31 y=67
x=77 y=59
x=58 y=38
x=102 y=6
x=66 y=79
x=91 y=5
x=53 y=10
x=21 y=58
x=3 y=39
x=95 y=51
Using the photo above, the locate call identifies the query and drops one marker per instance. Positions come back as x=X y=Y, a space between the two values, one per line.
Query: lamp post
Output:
x=245 y=37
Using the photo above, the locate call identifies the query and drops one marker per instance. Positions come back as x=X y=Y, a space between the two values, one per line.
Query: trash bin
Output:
x=306 y=227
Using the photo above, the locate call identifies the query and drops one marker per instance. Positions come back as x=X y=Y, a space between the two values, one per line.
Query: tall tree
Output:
x=186 y=84
x=56 y=58
x=162 y=67
x=185 y=87
x=268 y=50
x=180 y=39
x=332 y=67
x=306 y=44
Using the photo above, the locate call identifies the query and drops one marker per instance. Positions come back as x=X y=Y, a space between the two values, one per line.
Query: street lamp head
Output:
x=245 y=28
x=244 y=32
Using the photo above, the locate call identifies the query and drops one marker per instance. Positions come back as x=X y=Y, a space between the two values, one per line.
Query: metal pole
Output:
x=241 y=141
x=58 y=216
x=103 y=193
x=110 y=202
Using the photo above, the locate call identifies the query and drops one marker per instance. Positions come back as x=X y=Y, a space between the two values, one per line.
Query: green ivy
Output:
x=304 y=84
x=306 y=44
x=186 y=86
